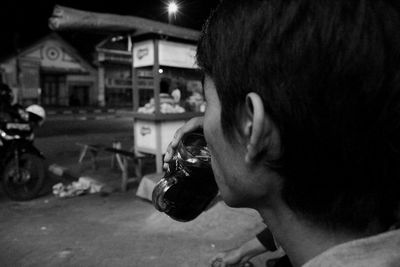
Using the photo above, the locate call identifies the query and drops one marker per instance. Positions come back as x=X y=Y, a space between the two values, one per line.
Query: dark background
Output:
x=23 y=22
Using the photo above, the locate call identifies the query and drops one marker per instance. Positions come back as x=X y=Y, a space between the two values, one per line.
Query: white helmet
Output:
x=37 y=110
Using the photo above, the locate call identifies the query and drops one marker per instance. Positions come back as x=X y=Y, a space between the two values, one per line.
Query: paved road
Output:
x=119 y=230
x=57 y=138
x=59 y=126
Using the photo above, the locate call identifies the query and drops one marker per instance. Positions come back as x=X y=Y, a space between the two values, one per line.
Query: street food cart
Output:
x=167 y=88
x=161 y=68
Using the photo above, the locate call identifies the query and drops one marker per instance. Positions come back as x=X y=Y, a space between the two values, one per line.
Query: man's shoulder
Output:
x=378 y=250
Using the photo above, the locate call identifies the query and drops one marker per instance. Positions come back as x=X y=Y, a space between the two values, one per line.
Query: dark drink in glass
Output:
x=188 y=187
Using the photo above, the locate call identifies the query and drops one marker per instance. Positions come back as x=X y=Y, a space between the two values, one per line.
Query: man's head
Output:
x=327 y=75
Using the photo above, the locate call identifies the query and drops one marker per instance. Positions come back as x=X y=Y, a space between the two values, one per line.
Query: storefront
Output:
x=52 y=73
x=115 y=71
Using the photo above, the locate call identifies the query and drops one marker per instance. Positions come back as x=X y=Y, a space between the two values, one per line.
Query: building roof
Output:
x=52 y=36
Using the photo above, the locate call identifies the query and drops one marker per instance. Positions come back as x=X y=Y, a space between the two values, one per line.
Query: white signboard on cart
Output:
x=143 y=53
x=146 y=134
x=177 y=55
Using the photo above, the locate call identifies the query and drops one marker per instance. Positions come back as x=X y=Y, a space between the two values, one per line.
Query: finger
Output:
x=168 y=153
x=189 y=126
x=218 y=256
x=165 y=166
x=217 y=263
x=178 y=136
x=195 y=123
x=246 y=264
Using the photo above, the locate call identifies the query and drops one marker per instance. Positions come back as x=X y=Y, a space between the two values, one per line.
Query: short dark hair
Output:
x=329 y=76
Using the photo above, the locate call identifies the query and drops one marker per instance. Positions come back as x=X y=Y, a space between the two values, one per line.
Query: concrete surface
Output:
x=115 y=230
x=118 y=230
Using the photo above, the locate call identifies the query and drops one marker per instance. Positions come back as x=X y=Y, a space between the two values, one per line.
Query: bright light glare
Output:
x=172 y=7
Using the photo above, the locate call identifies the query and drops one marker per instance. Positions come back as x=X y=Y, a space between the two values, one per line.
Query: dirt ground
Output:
x=119 y=229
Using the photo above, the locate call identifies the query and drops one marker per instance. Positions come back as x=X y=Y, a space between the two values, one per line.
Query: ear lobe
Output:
x=258 y=127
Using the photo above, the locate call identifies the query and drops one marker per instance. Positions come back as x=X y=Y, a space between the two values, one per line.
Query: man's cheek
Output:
x=207 y=135
x=216 y=172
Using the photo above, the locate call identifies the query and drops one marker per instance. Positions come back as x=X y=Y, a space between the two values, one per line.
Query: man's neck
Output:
x=299 y=239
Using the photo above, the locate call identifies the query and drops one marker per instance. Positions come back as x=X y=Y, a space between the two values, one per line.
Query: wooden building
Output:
x=52 y=73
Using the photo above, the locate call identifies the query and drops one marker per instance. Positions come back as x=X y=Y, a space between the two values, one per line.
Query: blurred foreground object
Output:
x=65 y=18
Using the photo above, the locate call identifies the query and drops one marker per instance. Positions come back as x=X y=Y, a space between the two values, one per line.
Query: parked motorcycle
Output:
x=22 y=168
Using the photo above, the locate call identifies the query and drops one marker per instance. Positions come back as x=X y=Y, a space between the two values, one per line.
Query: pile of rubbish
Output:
x=84 y=185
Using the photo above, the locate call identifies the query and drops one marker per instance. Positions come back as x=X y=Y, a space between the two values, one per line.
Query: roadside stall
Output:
x=167 y=91
x=166 y=86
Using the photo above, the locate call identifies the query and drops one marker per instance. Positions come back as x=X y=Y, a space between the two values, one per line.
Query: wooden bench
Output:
x=119 y=157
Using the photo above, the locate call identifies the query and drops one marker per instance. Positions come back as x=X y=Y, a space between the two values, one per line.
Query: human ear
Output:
x=259 y=130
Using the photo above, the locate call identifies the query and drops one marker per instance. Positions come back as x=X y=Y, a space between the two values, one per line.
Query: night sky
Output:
x=25 y=21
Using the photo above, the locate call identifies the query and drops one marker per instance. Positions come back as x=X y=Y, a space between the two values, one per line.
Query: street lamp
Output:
x=172 y=10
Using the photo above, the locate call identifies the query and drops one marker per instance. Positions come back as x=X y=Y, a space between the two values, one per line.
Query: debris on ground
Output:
x=84 y=185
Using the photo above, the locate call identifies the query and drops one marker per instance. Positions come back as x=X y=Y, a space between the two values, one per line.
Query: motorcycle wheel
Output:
x=26 y=184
